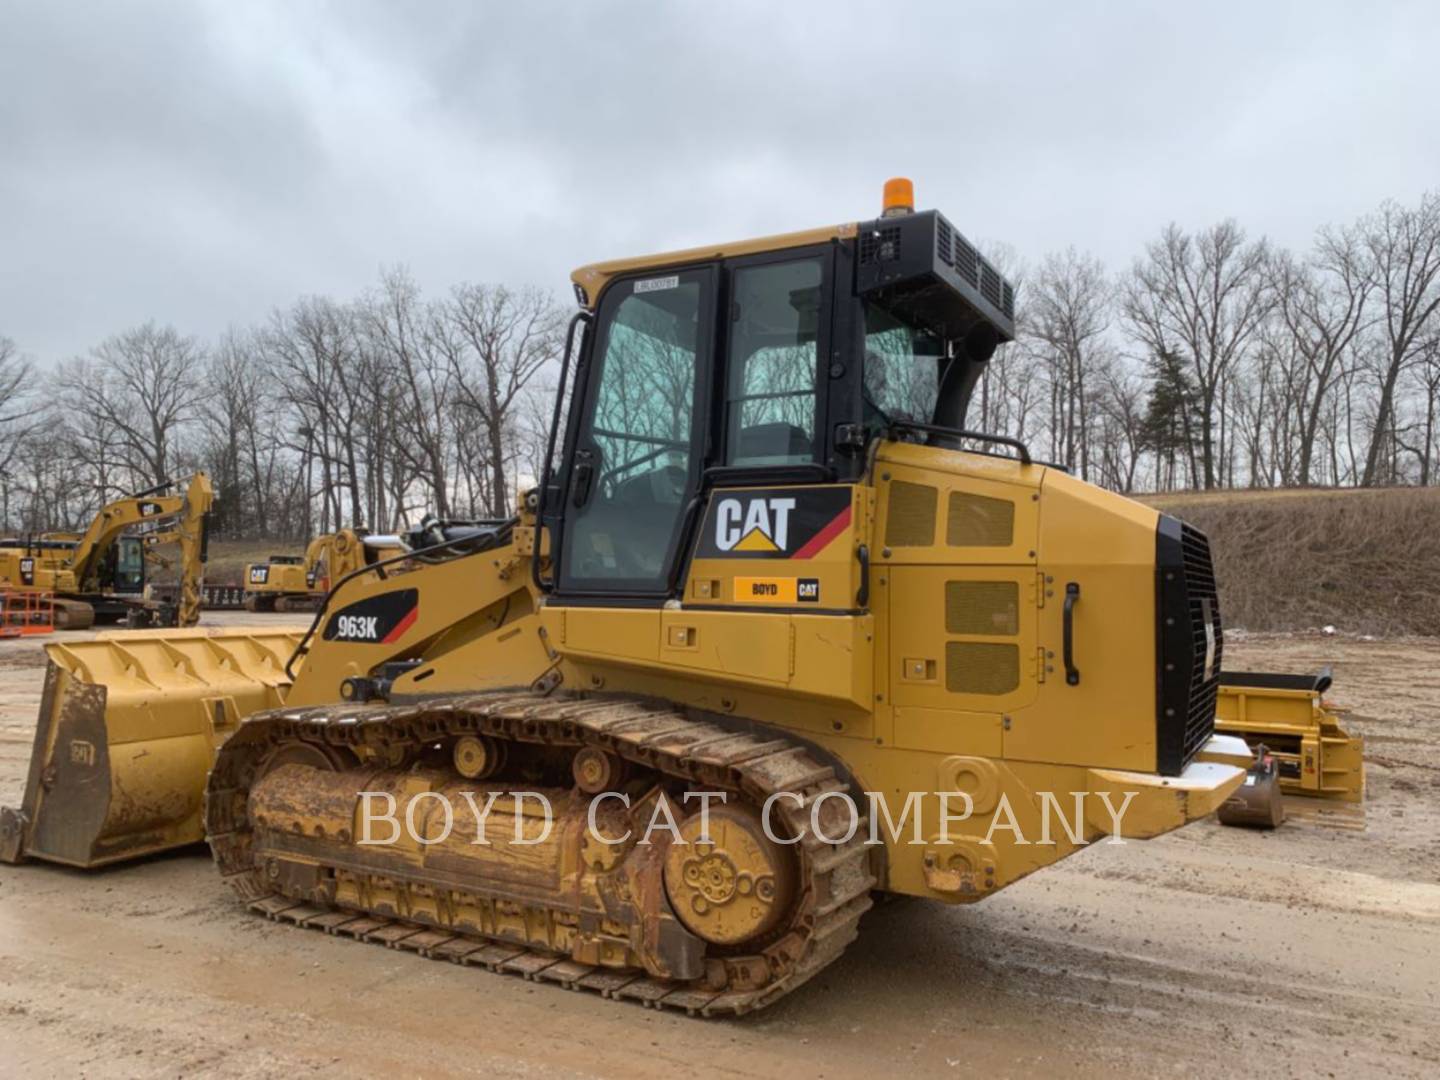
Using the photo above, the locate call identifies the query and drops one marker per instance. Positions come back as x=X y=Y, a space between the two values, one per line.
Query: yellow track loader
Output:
x=99 y=575
x=299 y=583
x=774 y=632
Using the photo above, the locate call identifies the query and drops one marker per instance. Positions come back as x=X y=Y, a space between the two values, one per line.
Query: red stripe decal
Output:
x=817 y=543
x=401 y=626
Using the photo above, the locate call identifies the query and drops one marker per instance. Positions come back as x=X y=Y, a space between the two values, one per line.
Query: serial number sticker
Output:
x=658 y=284
x=765 y=590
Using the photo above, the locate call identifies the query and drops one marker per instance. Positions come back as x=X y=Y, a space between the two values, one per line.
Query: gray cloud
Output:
x=200 y=164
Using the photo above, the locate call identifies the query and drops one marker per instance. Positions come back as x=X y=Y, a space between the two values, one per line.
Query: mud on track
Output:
x=1208 y=950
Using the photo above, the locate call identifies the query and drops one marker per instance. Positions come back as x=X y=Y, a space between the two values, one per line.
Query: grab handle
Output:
x=862 y=595
x=1072 y=596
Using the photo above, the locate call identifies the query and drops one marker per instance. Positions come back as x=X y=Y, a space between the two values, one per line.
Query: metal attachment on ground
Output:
x=1257 y=802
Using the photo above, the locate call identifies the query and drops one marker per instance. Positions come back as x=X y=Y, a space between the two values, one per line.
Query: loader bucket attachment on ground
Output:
x=1320 y=766
x=1288 y=713
x=128 y=728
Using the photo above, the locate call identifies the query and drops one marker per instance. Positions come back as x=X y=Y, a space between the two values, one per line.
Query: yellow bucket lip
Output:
x=202 y=632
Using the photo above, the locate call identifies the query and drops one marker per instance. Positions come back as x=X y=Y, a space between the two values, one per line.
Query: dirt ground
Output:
x=1307 y=951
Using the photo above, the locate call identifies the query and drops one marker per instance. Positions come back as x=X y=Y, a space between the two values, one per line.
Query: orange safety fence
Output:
x=23 y=614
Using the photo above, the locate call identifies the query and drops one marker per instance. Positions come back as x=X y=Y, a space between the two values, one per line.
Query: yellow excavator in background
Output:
x=99 y=575
x=299 y=583
x=770 y=590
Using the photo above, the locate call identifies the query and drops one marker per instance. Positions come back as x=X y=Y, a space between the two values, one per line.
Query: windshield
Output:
x=902 y=369
x=642 y=410
x=129 y=564
x=631 y=470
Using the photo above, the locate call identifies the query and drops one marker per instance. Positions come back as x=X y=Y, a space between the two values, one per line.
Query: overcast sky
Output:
x=201 y=163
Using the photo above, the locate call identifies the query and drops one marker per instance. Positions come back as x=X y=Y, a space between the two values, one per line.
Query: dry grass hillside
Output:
x=1364 y=562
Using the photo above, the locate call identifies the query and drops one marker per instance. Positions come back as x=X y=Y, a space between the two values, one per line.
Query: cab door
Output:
x=636 y=456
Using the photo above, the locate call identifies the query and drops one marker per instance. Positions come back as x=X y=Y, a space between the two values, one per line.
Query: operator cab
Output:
x=773 y=362
x=123 y=571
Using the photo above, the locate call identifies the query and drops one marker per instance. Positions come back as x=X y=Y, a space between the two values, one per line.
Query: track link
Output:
x=836 y=879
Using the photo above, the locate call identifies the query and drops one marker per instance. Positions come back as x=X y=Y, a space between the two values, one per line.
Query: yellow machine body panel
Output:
x=951 y=681
x=276 y=577
x=35 y=571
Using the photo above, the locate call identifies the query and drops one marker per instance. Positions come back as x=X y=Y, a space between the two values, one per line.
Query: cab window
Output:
x=770 y=398
x=129 y=564
x=902 y=369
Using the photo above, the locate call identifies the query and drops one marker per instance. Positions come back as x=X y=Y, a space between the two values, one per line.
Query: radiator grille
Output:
x=979 y=521
x=911 y=521
x=989 y=283
x=981 y=667
x=1190 y=644
x=1207 y=640
x=967 y=261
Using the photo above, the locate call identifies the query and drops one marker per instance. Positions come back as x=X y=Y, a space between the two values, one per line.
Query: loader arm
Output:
x=384 y=627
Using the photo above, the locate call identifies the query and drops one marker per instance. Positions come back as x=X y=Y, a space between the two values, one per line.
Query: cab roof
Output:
x=591 y=280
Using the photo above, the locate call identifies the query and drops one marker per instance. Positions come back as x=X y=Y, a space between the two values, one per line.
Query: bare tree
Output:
x=1121 y=401
x=1419 y=438
x=1068 y=312
x=420 y=348
x=17 y=393
x=318 y=362
x=1204 y=296
x=145 y=384
x=1404 y=246
x=1322 y=304
x=511 y=335
x=241 y=414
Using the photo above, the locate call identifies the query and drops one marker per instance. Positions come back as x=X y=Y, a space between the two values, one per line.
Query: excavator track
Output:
x=834 y=880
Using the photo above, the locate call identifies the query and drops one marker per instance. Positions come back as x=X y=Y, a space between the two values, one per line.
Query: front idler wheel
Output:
x=735 y=886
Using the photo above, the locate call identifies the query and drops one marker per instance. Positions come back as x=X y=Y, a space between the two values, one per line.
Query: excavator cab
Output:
x=123 y=570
